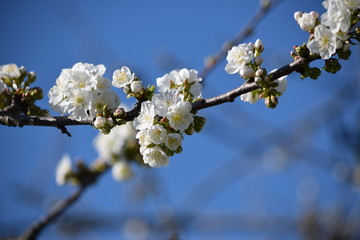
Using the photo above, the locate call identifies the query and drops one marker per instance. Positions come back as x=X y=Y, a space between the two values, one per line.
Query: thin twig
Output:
x=60 y=208
x=243 y=34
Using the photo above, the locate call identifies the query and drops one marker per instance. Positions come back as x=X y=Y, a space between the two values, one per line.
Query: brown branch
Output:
x=248 y=87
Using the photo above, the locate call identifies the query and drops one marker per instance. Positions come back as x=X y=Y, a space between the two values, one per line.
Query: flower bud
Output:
x=246 y=72
x=259 y=45
x=136 y=86
x=259 y=72
x=297 y=15
x=258 y=79
x=315 y=14
x=99 y=122
x=199 y=123
x=258 y=60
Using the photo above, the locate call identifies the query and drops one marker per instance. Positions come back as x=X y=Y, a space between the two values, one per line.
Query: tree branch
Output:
x=248 y=87
x=60 y=207
x=247 y=31
x=62 y=121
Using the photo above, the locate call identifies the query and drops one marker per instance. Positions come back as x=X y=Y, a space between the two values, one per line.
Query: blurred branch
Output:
x=259 y=15
x=60 y=207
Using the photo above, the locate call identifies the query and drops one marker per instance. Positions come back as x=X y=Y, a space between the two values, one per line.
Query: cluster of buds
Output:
x=245 y=59
x=15 y=86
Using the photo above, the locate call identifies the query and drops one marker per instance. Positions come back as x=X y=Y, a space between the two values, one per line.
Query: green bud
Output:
x=344 y=54
x=190 y=129
x=199 y=123
x=271 y=101
x=36 y=93
x=302 y=51
x=332 y=65
x=314 y=73
x=31 y=77
x=179 y=149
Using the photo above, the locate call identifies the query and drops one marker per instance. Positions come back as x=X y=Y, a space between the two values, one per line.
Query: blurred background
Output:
x=253 y=173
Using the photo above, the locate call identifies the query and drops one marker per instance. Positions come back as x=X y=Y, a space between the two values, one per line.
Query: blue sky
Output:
x=152 y=37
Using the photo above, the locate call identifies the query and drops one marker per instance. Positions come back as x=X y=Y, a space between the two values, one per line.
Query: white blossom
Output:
x=122 y=77
x=196 y=90
x=155 y=157
x=165 y=101
x=109 y=146
x=82 y=90
x=121 y=170
x=165 y=82
x=10 y=71
x=77 y=103
x=238 y=56
x=282 y=81
x=324 y=42
x=337 y=17
x=157 y=133
x=180 y=116
x=251 y=97
x=100 y=99
x=173 y=141
x=63 y=168
x=143 y=136
x=146 y=117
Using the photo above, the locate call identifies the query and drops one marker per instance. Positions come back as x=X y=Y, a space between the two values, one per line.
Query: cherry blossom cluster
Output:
x=245 y=59
x=330 y=32
x=118 y=149
x=167 y=116
x=82 y=91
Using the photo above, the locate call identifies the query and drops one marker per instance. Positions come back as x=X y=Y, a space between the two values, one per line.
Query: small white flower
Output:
x=165 y=82
x=187 y=75
x=180 y=116
x=195 y=90
x=77 y=103
x=165 y=101
x=121 y=170
x=136 y=86
x=251 y=97
x=238 y=56
x=101 y=98
x=173 y=141
x=146 y=117
x=282 y=84
x=63 y=168
x=155 y=157
x=143 y=136
x=109 y=146
x=157 y=133
x=122 y=77
x=324 y=42
x=99 y=122
x=10 y=71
